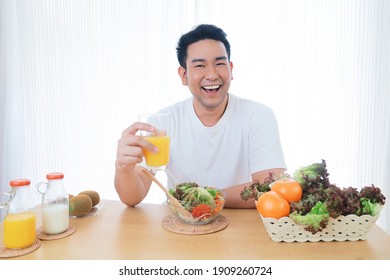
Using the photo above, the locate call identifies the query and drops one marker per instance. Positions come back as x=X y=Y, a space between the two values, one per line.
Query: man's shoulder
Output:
x=178 y=105
x=246 y=104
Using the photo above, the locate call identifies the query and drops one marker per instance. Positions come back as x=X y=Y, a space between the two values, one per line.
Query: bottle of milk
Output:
x=55 y=204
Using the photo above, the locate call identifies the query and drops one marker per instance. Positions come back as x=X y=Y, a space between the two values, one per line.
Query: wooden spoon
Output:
x=172 y=199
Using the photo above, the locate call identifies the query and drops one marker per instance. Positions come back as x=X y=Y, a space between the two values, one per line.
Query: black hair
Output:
x=198 y=33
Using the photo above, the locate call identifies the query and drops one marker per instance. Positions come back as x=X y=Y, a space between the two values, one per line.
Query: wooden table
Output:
x=120 y=233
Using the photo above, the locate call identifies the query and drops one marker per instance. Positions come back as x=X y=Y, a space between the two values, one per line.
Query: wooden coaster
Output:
x=44 y=236
x=174 y=224
x=11 y=253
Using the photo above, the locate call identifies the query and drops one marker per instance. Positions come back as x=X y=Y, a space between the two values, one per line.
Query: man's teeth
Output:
x=211 y=87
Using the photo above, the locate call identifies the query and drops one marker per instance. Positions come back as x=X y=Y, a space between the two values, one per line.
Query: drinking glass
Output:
x=159 y=138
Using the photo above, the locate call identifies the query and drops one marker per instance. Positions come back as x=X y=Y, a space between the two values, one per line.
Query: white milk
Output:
x=55 y=218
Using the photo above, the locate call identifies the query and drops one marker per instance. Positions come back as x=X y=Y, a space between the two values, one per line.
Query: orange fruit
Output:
x=288 y=188
x=272 y=205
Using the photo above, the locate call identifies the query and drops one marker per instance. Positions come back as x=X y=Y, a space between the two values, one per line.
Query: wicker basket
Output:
x=350 y=227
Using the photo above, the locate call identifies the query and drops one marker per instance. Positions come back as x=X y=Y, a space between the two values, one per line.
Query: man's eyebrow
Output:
x=198 y=60
x=195 y=60
x=221 y=58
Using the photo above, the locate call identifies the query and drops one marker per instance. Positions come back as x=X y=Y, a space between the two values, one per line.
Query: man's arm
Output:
x=233 y=194
x=131 y=184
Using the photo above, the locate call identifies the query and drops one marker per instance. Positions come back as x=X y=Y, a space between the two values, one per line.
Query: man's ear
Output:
x=231 y=68
x=183 y=75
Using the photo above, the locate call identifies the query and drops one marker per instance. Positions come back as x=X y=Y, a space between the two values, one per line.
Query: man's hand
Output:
x=130 y=146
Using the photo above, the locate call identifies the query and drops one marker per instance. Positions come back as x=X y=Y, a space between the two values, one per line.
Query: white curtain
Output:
x=74 y=74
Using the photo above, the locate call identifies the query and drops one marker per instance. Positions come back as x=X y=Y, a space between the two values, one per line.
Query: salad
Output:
x=201 y=201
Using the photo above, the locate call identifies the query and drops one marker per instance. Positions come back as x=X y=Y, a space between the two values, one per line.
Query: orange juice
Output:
x=19 y=230
x=161 y=158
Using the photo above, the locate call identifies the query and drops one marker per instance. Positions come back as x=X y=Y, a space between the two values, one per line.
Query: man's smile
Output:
x=212 y=88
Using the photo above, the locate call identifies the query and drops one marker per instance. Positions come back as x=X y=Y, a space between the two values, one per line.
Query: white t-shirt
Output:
x=244 y=141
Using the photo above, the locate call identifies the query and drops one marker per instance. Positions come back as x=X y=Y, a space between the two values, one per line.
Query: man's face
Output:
x=208 y=73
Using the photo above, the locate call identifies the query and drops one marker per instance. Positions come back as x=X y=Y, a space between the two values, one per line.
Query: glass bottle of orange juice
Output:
x=20 y=216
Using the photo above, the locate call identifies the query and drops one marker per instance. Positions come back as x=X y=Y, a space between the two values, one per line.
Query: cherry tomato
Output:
x=271 y=204
x=288 y=188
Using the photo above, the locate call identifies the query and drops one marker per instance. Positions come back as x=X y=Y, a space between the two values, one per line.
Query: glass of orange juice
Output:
x=160 y=138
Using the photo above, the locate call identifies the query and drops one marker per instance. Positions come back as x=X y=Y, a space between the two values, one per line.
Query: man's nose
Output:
x=211 y=73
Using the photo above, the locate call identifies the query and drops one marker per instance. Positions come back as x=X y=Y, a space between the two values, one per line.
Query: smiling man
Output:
x=207 y=72
x=218 y=139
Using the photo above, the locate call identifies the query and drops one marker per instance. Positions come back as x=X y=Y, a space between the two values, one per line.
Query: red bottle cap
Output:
x=19 y=182
x=54 y=176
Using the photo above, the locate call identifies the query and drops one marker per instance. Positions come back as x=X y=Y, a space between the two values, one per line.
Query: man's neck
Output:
x=210 y=117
